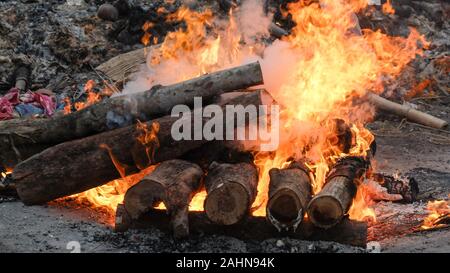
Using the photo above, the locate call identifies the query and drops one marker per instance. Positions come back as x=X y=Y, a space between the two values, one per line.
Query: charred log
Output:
x=408 y=188
x=174 y=183
x=332 y=203
x=231 y=191
x=289 y=194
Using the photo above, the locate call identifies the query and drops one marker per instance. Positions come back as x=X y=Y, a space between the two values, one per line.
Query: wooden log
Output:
x=289 y=194
x=79 y=165
x=231 y=191
x=17 y=136
x=407 y=112
x=274 y=29
x=251 y=228
x=332 y=203
x=277 y=31
x=174 y=183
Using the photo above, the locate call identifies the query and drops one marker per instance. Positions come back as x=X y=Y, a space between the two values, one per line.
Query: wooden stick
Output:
x=289 y=194
x=118 y=112
x=174 y=183
x=407 y=112
x=251 y=228
x=332 y=203
x=231 y=191
x=79 y=165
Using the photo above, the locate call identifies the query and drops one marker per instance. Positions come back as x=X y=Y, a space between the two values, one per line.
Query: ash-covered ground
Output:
x=62 y=40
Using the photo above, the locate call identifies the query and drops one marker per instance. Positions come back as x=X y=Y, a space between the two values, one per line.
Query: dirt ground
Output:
x=408 y=150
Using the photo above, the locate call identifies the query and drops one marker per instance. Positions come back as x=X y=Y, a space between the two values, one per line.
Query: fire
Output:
x=318 y=74
x=5 y=174
x=360 y=209
x=110 y=195
x=387 y=8
x=92 y=98
x=437 y=209
x=196 y=203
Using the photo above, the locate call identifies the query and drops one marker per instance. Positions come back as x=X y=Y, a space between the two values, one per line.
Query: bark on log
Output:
x=252 y=228
x=332 y=203
x=407 y=112
x=289 y=194
x=277 y=31
x=79 y=165
x=231 y=191
x=17 y=136
x=174 y=183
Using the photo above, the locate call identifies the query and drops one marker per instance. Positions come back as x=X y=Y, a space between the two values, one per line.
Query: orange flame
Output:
x=436 y=209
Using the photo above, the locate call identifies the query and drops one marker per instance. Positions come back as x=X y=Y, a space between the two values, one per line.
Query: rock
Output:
x=108 y=12
x=279 y=243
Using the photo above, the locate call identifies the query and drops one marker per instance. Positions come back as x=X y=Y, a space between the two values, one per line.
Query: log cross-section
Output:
x=174 y=183
x=289 y=194
x=231 y=191
x=333 y=202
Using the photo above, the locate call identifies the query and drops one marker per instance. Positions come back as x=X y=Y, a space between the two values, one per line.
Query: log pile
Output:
x=117 y=137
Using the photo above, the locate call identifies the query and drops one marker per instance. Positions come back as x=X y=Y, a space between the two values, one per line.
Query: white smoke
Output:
x=252 y=24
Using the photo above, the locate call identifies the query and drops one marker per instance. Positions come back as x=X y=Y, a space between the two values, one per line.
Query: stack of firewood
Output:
x=119 y=136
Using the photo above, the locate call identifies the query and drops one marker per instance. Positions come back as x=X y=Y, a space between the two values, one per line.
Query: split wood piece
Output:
x=289 y=194
x=251 y=228
x=332 y=203
x=174 y=183
x=19 y=136
x=119 y=68
x=407 y=112
x=78 y=165
x=231 y=191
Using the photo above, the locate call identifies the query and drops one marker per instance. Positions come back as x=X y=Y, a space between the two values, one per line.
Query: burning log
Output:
x=277 y=31
x=79 y=165
x=174 y=183
x=251 y=228
x=18 y=136
x=332 y=203
x=231 y=191
x=407 y=112
x=289 y=194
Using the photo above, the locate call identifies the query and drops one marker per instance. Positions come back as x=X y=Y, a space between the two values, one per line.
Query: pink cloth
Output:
x=7 y=103
x=11 y=99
